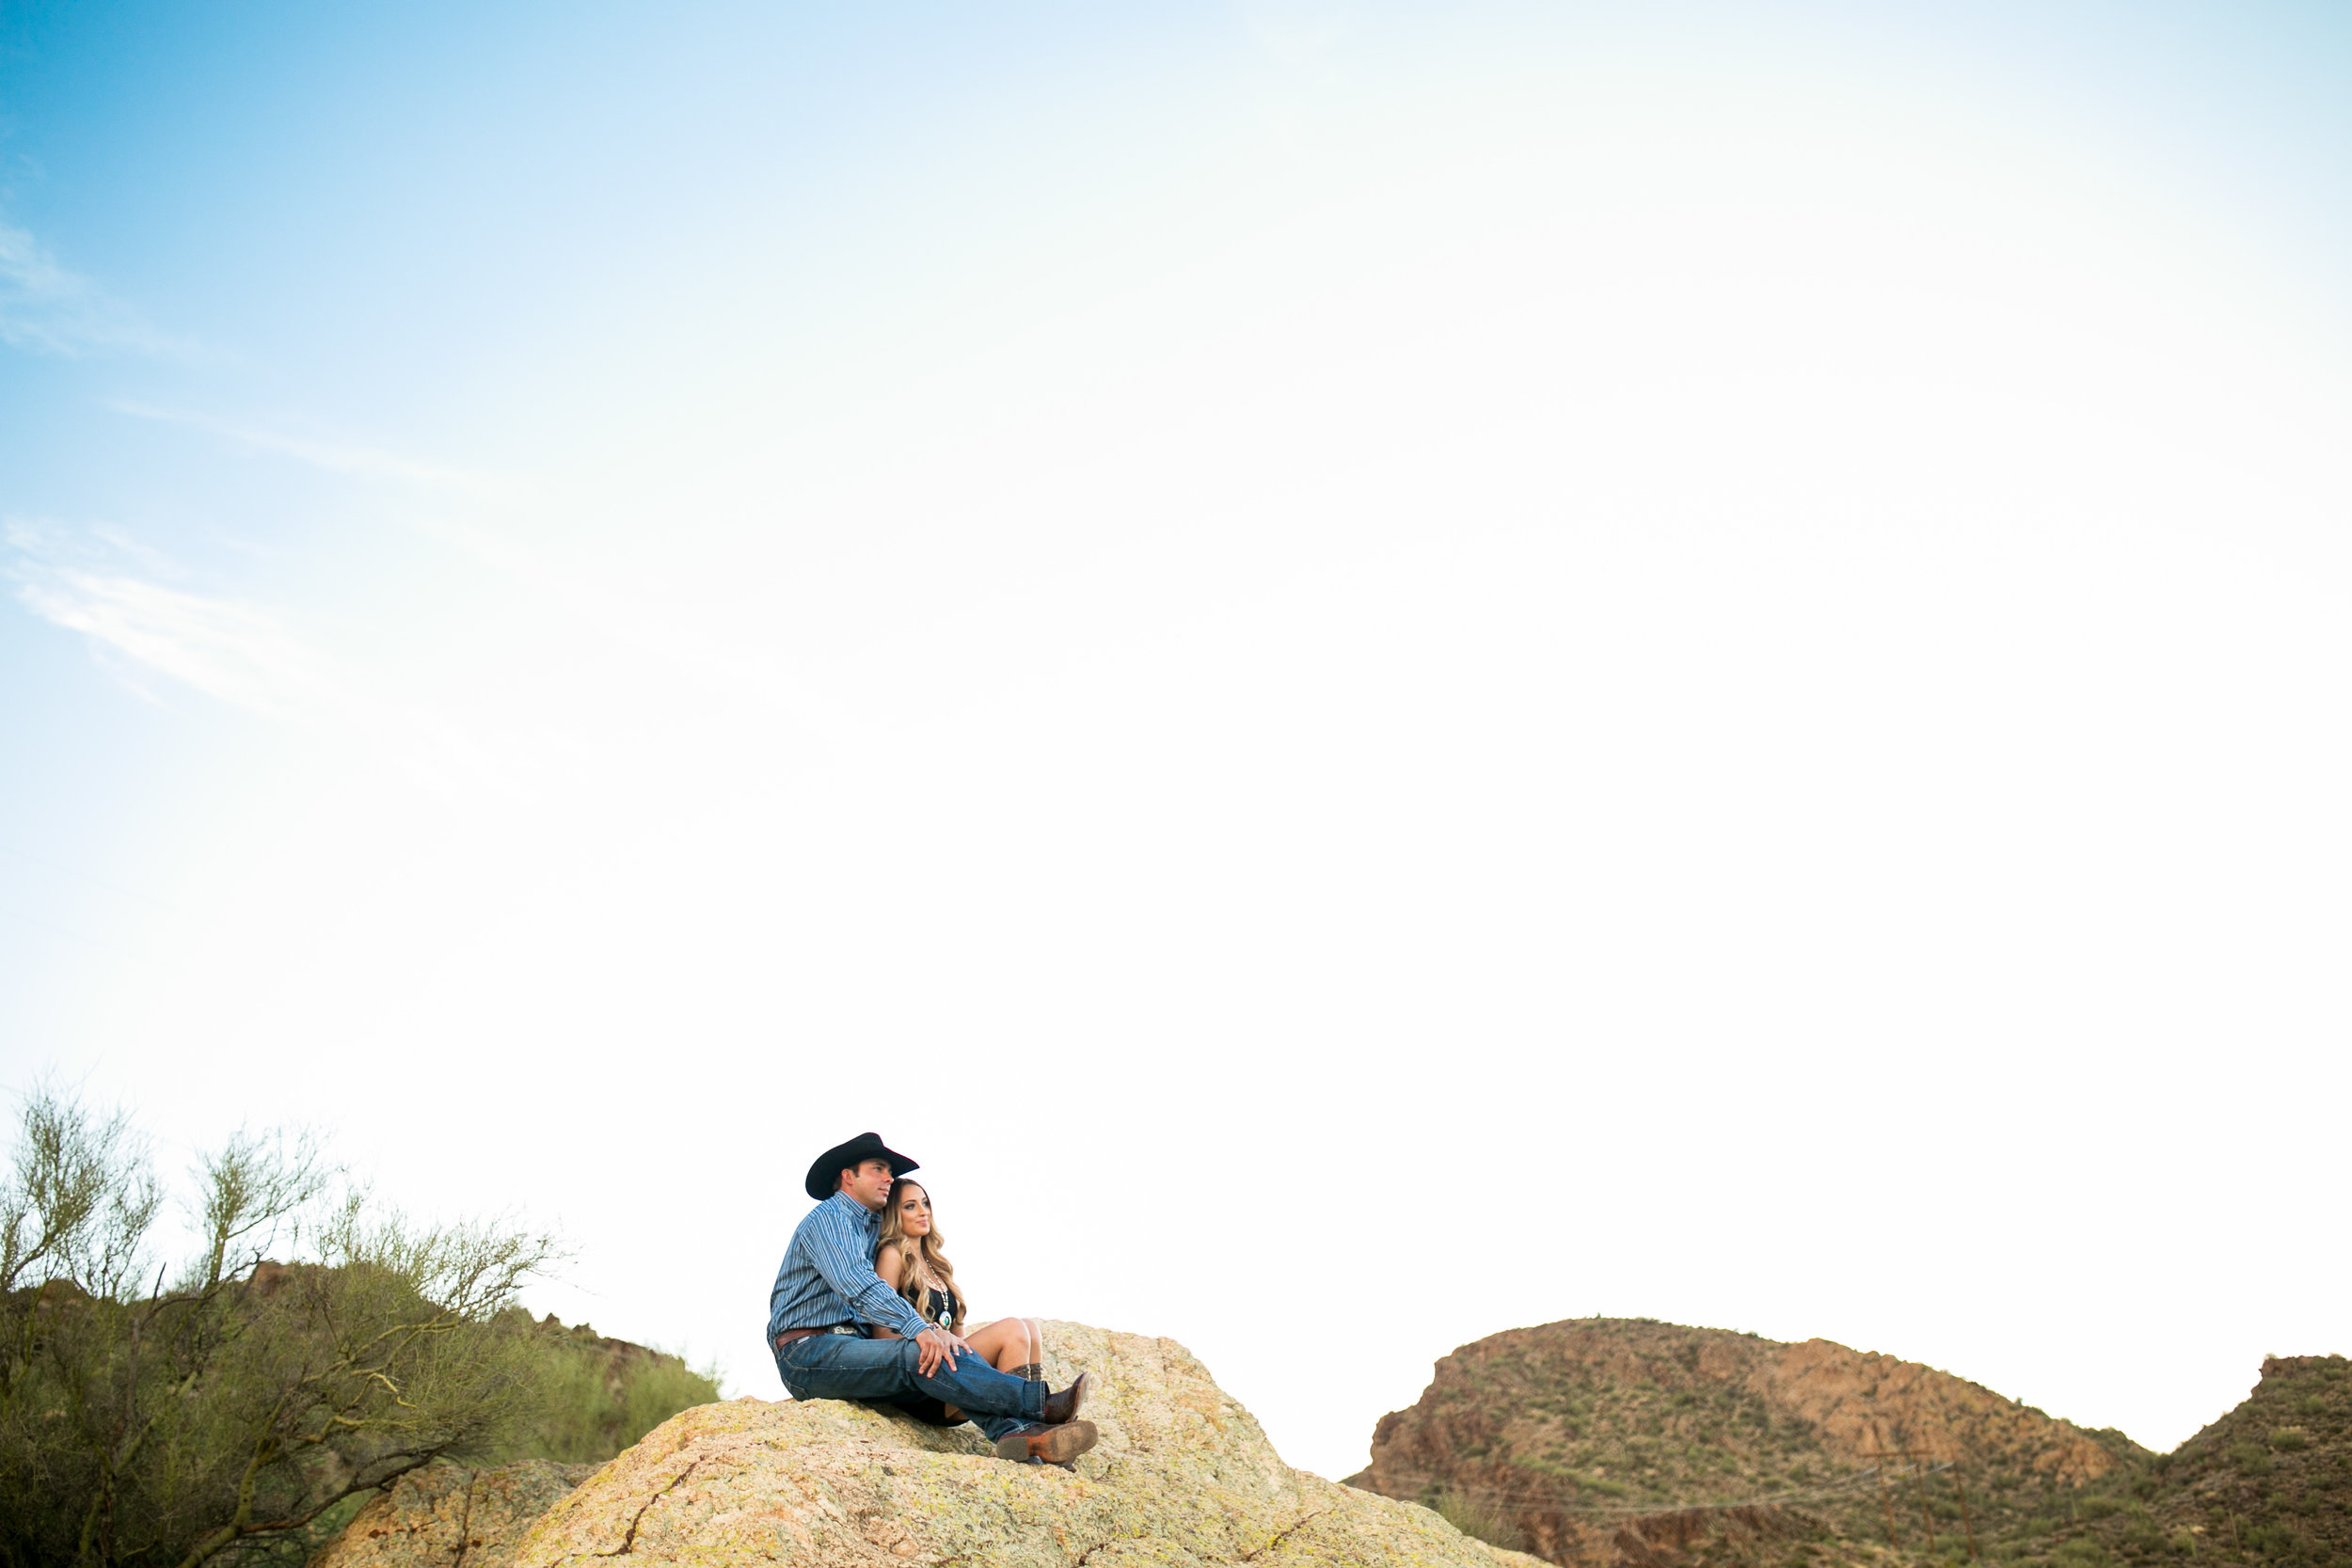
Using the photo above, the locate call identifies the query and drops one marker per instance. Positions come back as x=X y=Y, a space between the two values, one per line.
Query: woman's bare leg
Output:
x=1009 y=1343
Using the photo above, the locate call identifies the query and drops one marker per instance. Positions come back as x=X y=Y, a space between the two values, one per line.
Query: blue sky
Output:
x=1642 y=638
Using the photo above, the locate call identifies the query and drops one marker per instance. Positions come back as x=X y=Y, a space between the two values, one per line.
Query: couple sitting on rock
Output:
x=865 y=1307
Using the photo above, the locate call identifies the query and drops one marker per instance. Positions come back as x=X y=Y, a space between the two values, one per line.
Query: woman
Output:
x=911 y=1263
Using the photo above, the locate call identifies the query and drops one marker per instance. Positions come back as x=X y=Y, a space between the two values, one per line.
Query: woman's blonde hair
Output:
x=927 y=1248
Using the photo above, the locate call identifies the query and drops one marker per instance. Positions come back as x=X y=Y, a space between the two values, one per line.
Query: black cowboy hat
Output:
x=826 y=1173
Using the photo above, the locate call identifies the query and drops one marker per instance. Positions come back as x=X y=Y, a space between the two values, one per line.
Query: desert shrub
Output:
x=2081 y=1552
x=2251 y=1459
x=2312 y=1404
x=1475 y=1517
x=2141 y=1535
x=231 y=1407
x=2274 y=1541
x=2182 y=1543
x=660 y=1390
x=1603 y=1486
x=2098 y=1507
x=595 y=1400
x=2288 y=1440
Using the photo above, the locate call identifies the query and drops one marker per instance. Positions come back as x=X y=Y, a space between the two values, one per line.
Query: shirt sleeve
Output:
x=836 y=1251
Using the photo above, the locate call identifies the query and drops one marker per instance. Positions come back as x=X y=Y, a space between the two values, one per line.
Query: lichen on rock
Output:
x=449 y=1516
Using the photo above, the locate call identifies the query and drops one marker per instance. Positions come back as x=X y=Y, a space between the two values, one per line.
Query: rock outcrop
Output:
x=1184 y=1478
x=449 y=1516
x=1632 y=1443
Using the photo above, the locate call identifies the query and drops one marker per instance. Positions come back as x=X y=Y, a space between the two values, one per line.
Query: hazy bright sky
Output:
x=1375 y=671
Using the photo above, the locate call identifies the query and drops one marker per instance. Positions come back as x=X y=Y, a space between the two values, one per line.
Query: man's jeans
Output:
x=843 y=1366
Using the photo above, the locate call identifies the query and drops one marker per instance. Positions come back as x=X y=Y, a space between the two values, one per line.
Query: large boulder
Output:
x=1183 y=1476
x=449 y=1516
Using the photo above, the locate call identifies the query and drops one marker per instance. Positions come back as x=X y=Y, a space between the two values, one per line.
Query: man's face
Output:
x=870 y=1183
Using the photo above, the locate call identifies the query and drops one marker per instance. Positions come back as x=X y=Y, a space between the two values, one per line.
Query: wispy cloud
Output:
x=143 y=621
x=358 y=462
x=49 y=309
x=102 y=586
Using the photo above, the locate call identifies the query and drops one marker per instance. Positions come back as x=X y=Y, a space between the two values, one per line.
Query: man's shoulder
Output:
x=827 y=1215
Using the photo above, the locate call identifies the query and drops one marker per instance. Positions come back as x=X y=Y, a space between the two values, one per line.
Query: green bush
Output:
x=1474 y=1517
x=2274 y=1541
x=2081 y=1552
x=233 y=1406
x=2288 y=1440
x=597 y=1396
x=2249 y=1459
x=2098 y=1507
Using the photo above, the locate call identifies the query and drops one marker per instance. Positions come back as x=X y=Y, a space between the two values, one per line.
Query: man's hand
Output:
x=934 y=1345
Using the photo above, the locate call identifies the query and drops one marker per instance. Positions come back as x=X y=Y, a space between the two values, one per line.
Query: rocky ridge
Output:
x=1628 y=1442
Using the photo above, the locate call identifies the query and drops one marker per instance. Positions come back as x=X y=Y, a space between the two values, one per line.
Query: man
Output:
x=827 y=1293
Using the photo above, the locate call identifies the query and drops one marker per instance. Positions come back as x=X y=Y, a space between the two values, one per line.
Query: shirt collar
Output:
x=857 y=1211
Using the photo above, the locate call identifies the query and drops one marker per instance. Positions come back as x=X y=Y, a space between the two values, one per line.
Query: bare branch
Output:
x=79 y=1198
x=255 y=1184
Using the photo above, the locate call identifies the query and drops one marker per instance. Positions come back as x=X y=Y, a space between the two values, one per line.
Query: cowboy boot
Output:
x=1054 y=1445
x=1064 y=1406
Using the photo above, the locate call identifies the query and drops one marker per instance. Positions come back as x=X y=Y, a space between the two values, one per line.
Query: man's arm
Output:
x=888 y=1264
x=838 y=1253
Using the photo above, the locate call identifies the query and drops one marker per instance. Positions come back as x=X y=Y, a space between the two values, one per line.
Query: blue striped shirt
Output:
x=828 y=1275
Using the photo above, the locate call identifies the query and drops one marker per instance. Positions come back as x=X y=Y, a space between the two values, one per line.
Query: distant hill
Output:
x=1608 y=1442
x=2269 y=1483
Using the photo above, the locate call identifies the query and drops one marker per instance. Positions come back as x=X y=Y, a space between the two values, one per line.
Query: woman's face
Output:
x=914 y=1211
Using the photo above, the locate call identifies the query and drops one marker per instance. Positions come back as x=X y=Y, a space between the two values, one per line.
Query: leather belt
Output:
x=791 y=1334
